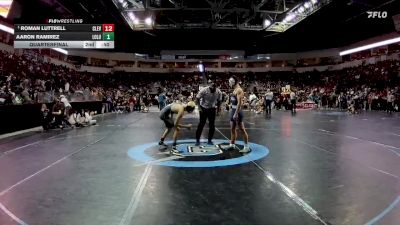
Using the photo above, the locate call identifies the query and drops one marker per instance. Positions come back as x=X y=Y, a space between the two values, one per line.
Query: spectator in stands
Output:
x=132 y=101
x=390 y=102
x=162 y=101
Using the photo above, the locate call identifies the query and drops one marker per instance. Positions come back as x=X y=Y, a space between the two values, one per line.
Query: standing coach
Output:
x=209 y=101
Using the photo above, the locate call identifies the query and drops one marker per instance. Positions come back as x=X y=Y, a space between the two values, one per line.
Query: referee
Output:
x=209 y=101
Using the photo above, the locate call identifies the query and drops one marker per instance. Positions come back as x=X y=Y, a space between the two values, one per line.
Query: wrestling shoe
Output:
x=162 y=143
x=245 y=150
x=175 y=151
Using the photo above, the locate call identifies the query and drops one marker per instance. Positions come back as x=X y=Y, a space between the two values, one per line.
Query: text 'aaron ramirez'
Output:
x=37 y=37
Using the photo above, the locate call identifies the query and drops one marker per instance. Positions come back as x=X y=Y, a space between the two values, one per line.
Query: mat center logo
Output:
x=216 y=155
x=202 y=150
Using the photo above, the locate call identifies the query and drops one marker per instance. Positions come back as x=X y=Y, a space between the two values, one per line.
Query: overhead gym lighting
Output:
x=63 y=51
x=296 y=14
x=370 y=46
x=131 y=16
x=267 y=23
x=200 y=66
x=289 y=18
x=148 y=21
x=6 y=29
x=278 y=20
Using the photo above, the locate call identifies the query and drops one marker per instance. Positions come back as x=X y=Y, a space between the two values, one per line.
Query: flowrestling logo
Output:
x=377 y=14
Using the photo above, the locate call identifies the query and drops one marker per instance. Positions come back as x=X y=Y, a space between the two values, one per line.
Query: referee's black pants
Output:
x=204 y=115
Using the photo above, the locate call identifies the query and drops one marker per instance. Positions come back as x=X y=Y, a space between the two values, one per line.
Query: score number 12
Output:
x=108 y=27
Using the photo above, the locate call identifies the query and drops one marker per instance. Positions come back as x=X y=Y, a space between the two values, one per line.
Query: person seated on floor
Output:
x=259 y=106
x=253 y=101
x=144 y=108
x=75 y=118
x=120 y=105
x=87 y=118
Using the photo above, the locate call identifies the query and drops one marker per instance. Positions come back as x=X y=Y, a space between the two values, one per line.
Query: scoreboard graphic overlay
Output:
x=75 y=36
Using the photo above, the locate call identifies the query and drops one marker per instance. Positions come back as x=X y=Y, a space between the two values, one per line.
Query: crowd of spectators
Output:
x=374 y=86
x=26 y=79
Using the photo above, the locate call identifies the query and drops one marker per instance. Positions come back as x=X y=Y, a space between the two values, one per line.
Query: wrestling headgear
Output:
x=232 y=81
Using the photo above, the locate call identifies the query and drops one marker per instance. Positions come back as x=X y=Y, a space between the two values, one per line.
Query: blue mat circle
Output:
x=257 y=152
